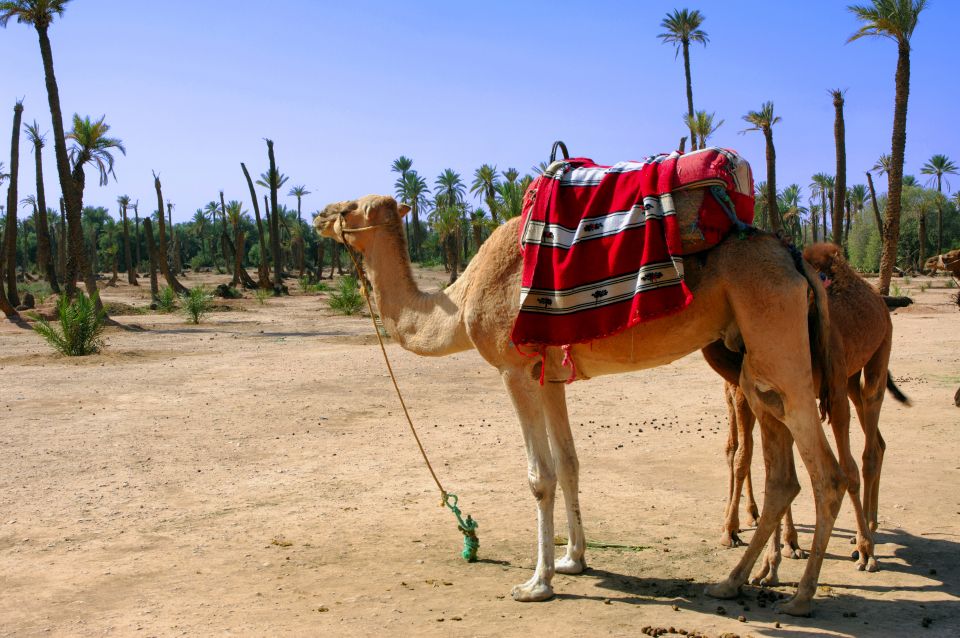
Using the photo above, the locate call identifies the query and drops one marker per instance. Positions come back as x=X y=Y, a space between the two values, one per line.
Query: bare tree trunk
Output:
x=775 y=224
x=178 y=288
x=44 y=252
x=154 y=258
x=131 y=269
x=876 y=207
x=10 y=234
x=263 y=271
x=136 y=232
x=62 y=248
x=840 y=181
x=275 y=224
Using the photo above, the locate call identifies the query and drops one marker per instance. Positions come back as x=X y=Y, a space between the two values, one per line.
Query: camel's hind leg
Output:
x=780 y=488
x=790 y=542
x=871 y=395
x=739 y=455
x=568 y=473
x=528 y=400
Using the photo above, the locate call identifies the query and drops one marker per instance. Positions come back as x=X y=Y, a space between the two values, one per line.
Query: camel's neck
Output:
x=424 y=323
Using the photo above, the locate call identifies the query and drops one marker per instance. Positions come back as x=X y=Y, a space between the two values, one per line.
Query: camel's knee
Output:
x=543 y=483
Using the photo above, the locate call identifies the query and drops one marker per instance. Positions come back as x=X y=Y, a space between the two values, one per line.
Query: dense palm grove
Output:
x=58 y=239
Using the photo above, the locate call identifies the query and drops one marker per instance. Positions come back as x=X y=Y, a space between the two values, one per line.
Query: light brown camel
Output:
x=862 y=330
x=949 y=261
x=731 y=302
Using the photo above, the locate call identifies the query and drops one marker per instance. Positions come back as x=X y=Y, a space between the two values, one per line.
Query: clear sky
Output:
x=193 y=86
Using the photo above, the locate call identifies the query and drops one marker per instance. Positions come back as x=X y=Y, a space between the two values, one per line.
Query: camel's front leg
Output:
x=568 y=472
x=527 y=397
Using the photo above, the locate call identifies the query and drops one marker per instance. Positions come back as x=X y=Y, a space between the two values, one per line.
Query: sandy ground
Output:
x=253 y=476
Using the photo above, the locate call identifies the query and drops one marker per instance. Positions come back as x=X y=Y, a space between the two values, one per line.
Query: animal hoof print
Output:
x=794 y=607
x=528 y=593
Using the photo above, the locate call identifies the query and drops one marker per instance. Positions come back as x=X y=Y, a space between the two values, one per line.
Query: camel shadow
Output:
x=931 y=606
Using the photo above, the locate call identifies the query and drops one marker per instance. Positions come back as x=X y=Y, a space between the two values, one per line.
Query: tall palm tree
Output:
x=44 y=253
x=200 y=230
x=485 y=186
x=824 y=184
x=760 y=211
x=90 y=146
x=10 y=231
x=448 y=215
x=299 y=192
x=510 y=199
x=763 y=120
x=840 y=183
x=701 y=125
x=938 y=166
x=894 y=19
x=683 y=27
x=792 y=212
x=124 y=202
x=414 y=193
x=136 y=233
x=511 y=175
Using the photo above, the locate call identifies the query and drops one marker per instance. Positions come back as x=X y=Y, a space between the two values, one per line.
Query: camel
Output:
x=862 y=331
x=949 y=261
x=731 y=302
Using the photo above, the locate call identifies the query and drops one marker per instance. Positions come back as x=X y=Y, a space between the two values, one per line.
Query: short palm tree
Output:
x=414 y=192
x=823 y=184
x=124 y=202
x=882 y=165
x=895 y=20
x=701 y=124
x=683 y=27
x=938 y=166
x=763 y=120
x=200 y=224
x=299 y=192
x=793 y=212
x=858 y=199
x=485 y=186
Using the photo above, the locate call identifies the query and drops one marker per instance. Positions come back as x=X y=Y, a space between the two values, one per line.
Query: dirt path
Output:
x=253 y=476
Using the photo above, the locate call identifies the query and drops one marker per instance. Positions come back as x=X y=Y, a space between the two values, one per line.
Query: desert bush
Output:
x=167 y=300
x=307 y=287
x=196 y=303
x=895 y=291
x=39 y=289
x=347 y=299
x=81 y=325
x=197 y=262
x=262 y=294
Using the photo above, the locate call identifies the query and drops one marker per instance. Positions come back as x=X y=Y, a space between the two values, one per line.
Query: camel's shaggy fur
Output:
x=733 y=302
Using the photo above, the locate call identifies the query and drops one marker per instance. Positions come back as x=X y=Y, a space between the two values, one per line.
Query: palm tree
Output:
x=136 y=233
x=234 y=212
x=701 y=126
x=199 y=228
x=882 y=166
x=274 y=180
x=414 y=193
x=10 y=232
x=511 y=199
x=161 y=256
x=858 y=198
x=792 y=212
x=448 y=215
x=511 y=175
x=763 y=120
x=485 y=186
x=263 y=271
x=760 y=211
x=938 y=166
x=44 y=252
x=90 y=146
x=299 y=192
x=683 y=27
x=840 y=184
x=894 y=19
x=124 y=202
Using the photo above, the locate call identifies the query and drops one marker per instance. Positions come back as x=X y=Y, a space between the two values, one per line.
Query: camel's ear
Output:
x=403 y=209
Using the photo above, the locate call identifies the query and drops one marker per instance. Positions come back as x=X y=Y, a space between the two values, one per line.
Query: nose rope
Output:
x=468 y=527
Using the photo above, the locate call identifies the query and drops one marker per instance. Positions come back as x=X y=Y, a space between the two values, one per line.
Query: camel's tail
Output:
x=895 y=391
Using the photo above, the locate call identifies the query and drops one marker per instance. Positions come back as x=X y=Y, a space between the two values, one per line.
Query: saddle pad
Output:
x=602 y=245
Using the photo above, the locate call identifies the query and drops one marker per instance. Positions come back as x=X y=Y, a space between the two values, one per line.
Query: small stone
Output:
x=721 y=611
x=675 y=608
x=742 y=618
x=777 y=625
x=607 y=601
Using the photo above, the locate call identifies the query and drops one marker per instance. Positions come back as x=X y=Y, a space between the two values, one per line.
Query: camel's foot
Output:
x=725 y=590
x=864 y=556
x=753 y=515
x=569 y=565
x=730 y=539
x=796 y=607
x=534 y=590
x=767 y=574
x=873 y=526
x=792 y=550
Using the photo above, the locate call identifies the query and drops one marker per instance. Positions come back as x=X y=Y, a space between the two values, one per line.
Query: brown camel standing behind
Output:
x=862 y=331
x=730 y=304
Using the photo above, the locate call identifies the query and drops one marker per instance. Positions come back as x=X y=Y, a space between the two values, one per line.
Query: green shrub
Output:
x=895 y=291
x=39 y=289
x=307 y=287
x=167 y=300
x=347 y=299
x=262 y=294
x=197 y=262
x=196 y=303
x=81 y=325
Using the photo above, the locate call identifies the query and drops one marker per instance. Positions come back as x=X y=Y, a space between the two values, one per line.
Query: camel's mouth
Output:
x=325 y=226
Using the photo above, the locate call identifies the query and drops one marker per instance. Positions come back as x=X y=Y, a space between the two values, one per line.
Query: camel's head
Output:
x=357 y=221
x=822 y=257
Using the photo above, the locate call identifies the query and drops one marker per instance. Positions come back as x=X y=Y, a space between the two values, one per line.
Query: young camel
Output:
x=862 y=330
x=478 y=311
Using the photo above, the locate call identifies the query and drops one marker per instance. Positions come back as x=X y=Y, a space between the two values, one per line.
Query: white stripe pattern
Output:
x=601 y=293
x=557 y=236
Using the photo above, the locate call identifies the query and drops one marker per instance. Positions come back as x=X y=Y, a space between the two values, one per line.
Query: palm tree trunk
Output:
x=10 y=233
x=939 y=218
x=829 y=215
x=275 y=224
x=686 y=71
x=775 y=224
x=263 y=270
x=321 y=244
x=891 y=230
x=136 y=236
x=44 y=252
x=131 y=269
x=922 y=239
x=453 y=254
x=154 y=258
x=178 y=288
x=62 y=247
x=79 y=262
x=876 y=207
x=840 y=183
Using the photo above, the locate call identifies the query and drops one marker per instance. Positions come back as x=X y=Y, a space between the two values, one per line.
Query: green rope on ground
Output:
x=467 y=527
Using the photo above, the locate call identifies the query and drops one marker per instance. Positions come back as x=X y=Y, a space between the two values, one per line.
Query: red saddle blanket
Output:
x=602 y=245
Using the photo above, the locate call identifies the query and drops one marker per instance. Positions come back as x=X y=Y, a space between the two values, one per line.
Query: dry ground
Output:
x=253 y=476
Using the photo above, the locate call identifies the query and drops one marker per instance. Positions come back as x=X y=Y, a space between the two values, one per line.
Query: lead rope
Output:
x=468 y=527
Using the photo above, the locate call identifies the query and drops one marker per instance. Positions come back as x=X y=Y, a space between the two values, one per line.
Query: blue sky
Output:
x=193 y=86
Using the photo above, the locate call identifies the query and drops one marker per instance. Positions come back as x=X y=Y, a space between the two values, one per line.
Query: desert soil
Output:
x=253 y=475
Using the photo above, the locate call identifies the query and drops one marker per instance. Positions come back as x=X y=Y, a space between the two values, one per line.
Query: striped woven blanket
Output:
x=602 y=245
